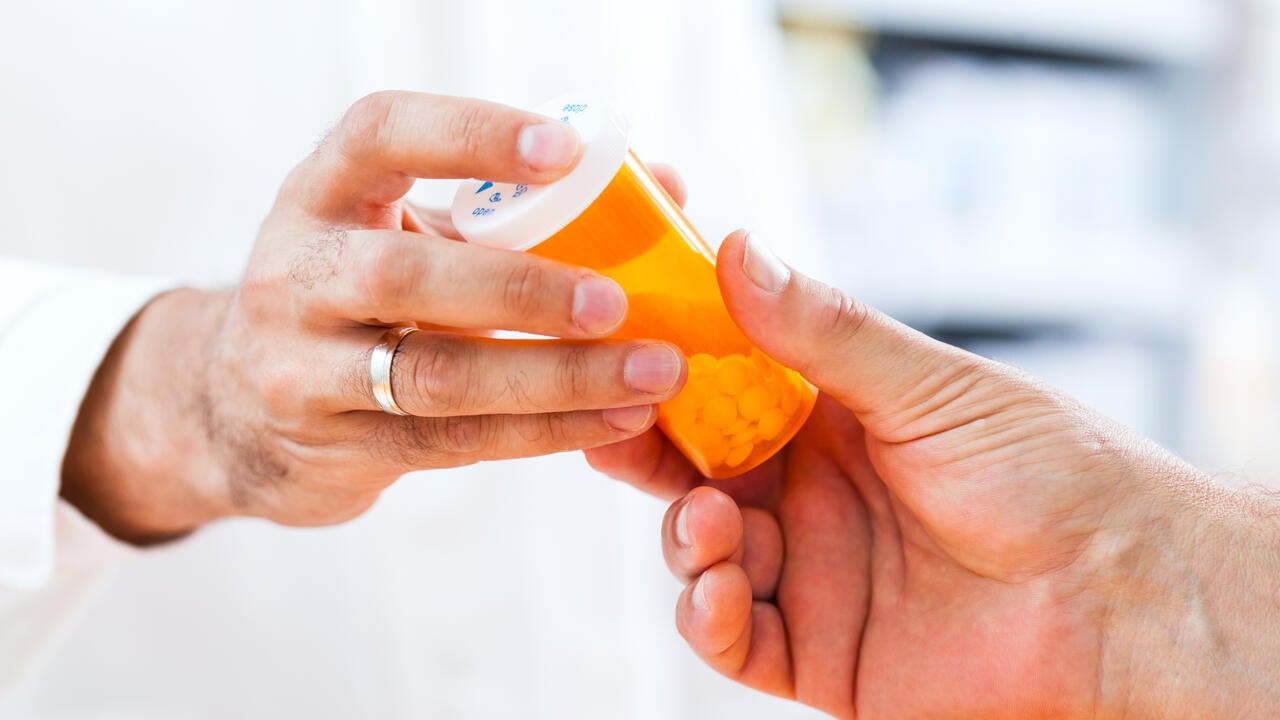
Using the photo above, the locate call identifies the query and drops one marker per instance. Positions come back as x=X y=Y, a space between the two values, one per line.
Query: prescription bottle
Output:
x=739 y=406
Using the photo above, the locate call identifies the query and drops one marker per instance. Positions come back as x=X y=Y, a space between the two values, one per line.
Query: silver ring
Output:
x=380 y=368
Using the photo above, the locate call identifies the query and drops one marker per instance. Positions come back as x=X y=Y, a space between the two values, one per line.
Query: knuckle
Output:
x=273 y=378
x=441 y=373
x=296 y=183
x=523 y=290
x=463 y=435
x=573 y=374
x=382 y=275
x=279 y=392
x=258 y=300
x=518 y=391
x=551 y=430
x=561 y=430
x=367 y=122
x=465 y=128
x=408 y=442
x=533 y=430
x=843 y=317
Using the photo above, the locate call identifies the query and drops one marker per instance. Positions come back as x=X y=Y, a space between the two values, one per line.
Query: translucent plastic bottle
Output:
x=739 y=406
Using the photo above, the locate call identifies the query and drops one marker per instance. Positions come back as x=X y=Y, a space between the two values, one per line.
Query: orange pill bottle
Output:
x=738 y=407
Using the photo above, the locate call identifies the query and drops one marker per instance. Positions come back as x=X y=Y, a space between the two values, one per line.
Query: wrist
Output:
x=1190 y=628
x=139 y=462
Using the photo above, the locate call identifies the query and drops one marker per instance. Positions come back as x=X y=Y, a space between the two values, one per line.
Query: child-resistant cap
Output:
x=517 y=217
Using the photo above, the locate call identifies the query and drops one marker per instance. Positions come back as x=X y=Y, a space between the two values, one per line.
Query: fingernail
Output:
x=599 y=305
x=681 y=524
x=629 y=419
x=699 y=594
x=549 y=145
x=763 y=267
x=653 y=369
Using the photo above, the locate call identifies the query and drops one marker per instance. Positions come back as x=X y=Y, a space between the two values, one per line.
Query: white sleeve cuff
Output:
x=33 y=620
x=55 y=328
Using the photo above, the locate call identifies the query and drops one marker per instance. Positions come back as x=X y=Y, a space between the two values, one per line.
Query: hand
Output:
x=257 y=400
x=946 y=537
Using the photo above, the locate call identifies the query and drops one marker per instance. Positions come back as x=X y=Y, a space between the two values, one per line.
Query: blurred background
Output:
x=1084 y=188
x=1089 y=189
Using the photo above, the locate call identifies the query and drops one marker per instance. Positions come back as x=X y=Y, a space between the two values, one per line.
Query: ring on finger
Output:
x=380 y=360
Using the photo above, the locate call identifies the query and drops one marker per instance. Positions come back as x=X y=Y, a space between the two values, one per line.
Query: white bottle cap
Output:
x=517 y=217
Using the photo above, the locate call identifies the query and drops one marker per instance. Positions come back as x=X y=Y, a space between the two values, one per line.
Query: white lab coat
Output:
x=144 y=140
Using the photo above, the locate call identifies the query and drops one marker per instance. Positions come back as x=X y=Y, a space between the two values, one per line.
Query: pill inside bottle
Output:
x=738 y=407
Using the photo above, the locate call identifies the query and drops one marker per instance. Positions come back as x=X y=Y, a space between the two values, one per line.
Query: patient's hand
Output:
x=946 y=537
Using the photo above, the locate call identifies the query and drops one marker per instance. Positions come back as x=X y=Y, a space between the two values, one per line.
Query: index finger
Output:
x=388 y=139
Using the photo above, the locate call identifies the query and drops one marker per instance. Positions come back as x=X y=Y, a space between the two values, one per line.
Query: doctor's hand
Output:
x=948 y=538
x=257 y=400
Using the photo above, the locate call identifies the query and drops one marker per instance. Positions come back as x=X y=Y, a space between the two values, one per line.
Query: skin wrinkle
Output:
x=1098 y=666
x=389 y=441
x=892 y=511
x=466 y=128
x=844 y=318
x=433 y=377
x=524 y=290
x=787 y=579
x=984 y=436
x=941 y=396
x=573 y=372
x=871 y=592
x=463 y=436
x=517 y=384
x=407 y=442
x=772 y=506
x=535 y=432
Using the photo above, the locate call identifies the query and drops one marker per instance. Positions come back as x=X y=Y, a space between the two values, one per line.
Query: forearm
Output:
x=1196 y=633
x=138 y=461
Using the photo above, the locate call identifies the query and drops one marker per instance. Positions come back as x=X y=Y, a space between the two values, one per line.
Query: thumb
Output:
x=894 y=378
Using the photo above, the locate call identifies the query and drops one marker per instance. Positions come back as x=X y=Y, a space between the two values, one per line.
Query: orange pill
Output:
x=699 y=389
x=753 y=403
x=702 y=364
x=708 y=442
x=683 y=408
x=715 y=451
x=733 y=376
x=737 y=427
x=720 y=412
x=702 y=434
x=771 y=424
x=743 y=437
x=736 y=455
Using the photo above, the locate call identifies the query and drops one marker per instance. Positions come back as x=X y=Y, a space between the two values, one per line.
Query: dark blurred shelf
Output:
x=1173 y=32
